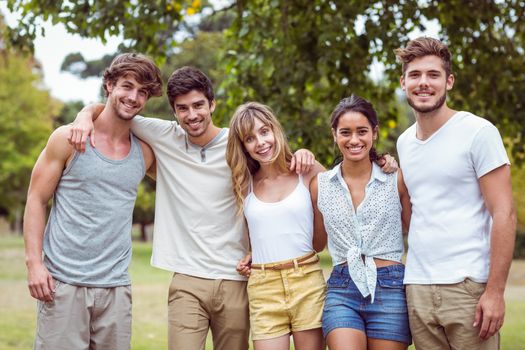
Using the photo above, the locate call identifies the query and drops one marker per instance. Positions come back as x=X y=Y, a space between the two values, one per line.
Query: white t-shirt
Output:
x=197 y=230
x=449 y=237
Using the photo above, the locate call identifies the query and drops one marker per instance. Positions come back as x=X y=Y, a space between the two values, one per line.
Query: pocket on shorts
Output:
x=474 y=289
x=183 y=307
x=338 y=281
x=390 y=292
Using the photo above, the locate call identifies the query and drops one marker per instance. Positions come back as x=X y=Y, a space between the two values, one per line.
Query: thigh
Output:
x=381 y=344
x=63 y=324
x=422 y=302
x=230 y=324
x=307 y=293
x=269 y=316
x=188 y=318
x=343 y=303
x=387 y=317
x=457 y=315
x=346 y=338
x=311 y=339
x=111 y=318
x=279 y=343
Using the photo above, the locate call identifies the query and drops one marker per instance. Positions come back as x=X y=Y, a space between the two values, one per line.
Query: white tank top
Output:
x=280 y=230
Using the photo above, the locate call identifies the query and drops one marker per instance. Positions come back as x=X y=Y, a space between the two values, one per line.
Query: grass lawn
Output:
x=150 y=288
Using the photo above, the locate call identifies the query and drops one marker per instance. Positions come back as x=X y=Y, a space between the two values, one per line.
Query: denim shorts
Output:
x=386 y=318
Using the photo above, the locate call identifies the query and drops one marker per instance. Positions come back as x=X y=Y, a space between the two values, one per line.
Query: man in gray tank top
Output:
x=81 y=280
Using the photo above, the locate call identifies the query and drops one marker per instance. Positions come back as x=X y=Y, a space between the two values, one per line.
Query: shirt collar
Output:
x=377 y=173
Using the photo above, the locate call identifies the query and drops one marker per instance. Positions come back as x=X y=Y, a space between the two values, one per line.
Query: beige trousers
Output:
x=196 y=305
x=441 y=316
x=82 y=318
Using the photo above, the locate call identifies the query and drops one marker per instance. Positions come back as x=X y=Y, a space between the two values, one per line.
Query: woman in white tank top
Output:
x=286 y=287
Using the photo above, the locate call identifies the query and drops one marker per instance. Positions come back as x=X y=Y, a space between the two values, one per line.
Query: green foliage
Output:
x=68 y=112
x=302 y=56
x=26 y=113
x=147 y=26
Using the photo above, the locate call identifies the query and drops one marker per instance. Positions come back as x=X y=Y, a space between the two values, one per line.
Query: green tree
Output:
x=26 y=112
x=147 y=26
x=302 y=56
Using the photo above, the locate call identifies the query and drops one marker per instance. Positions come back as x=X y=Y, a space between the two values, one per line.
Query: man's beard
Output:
x=432 y=108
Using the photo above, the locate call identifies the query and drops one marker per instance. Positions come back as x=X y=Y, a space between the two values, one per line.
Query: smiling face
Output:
x=426 y=83
x=194 y=111
x=127 y=97
x=260 y=142
x=354 y=136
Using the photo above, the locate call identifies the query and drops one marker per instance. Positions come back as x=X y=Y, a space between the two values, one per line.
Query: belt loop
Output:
x=295 y=264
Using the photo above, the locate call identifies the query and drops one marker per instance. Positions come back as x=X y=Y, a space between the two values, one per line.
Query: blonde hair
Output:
x=242 y=165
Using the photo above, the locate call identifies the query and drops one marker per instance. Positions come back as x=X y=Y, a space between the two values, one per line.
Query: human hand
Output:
x=490 y=314
x=40 y=283
x=388 y=164
x=81 y=128
x=302 y=161
x=244 y=266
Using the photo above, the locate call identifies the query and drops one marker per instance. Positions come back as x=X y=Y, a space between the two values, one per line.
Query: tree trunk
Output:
x=143 y=235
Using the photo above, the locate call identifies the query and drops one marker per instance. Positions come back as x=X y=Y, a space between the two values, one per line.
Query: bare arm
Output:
x=319 y=241
x=150 y=162
x=496 y=188
x=404 y=197
x=83 y=126
x=44 y=179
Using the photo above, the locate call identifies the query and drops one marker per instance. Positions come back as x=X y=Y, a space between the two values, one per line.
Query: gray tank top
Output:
x=87 y=240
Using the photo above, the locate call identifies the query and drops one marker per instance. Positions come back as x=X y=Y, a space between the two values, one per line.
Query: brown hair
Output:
x=142 y=68
x=187 y=79
x=424 y=46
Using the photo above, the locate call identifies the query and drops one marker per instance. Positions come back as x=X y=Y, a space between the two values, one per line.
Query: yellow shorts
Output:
x=284 y=301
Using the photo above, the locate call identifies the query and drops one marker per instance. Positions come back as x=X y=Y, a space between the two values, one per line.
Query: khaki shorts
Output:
x=441 y=316
x=196 y=305
x=284 y=301
x=85 y=318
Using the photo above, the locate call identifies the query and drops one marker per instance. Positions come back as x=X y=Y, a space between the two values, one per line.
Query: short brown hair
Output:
x=187 y=79
x=424 y=46
x=142 y=68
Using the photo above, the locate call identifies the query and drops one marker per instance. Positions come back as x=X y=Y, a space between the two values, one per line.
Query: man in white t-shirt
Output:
x=463 y=224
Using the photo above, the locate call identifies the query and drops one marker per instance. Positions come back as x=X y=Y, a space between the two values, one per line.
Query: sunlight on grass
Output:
x=150 y=289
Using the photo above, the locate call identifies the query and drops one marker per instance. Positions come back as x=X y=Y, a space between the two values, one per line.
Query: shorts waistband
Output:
x=288 y=264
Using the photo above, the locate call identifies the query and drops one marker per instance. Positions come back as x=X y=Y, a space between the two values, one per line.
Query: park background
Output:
x=298 y=56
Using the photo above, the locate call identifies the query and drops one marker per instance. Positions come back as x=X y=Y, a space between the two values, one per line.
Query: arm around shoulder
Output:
x=149 y=160
x=404 y=198
x=320 y=237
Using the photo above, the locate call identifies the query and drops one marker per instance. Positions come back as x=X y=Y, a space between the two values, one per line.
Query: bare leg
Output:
x=311 y=339
x=346 y=338
x=279 y=343
x=382 y=344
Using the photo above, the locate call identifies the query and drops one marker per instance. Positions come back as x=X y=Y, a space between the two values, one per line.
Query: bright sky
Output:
x=51 y=51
